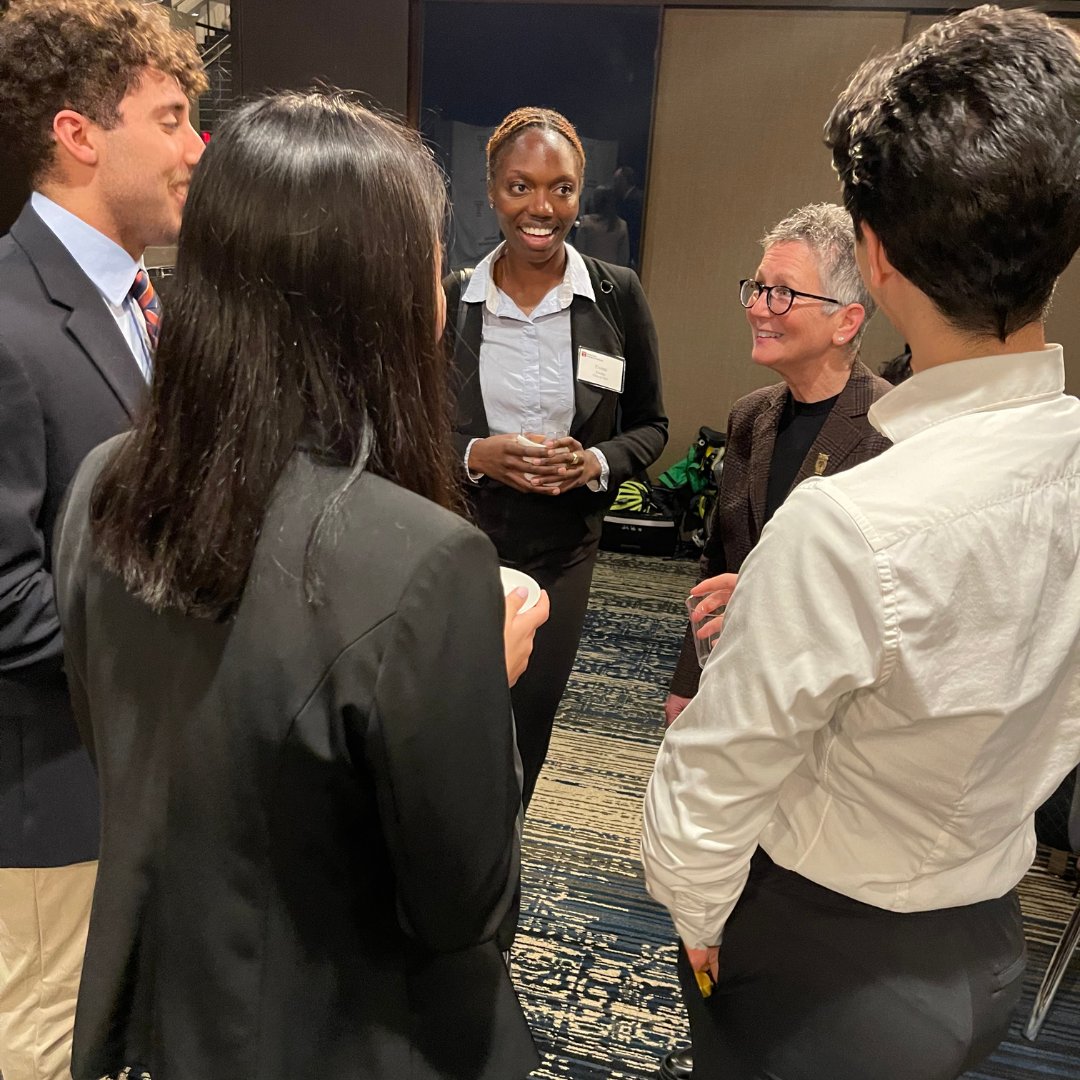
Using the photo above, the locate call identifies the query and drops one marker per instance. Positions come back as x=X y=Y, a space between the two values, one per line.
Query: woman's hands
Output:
x=580 y=466
x=674 y=705
x=717 y=593
x=706 y=961
x=550 y=467
x=520 y=629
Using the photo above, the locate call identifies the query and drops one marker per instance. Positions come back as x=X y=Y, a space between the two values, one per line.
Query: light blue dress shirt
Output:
x=111 y=269
x=527 y=361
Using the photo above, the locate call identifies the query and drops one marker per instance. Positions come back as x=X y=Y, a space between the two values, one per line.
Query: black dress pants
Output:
x=817 y=986
x=567 y=577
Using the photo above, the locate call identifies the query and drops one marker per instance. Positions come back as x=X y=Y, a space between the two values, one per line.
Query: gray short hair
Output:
x=826 y=229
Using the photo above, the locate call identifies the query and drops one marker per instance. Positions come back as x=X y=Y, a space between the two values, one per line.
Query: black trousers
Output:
x=817 y=986
x=567 y=576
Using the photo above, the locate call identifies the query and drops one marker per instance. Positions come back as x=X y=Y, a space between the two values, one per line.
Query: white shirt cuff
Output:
x=605 y=471
x=475 y=477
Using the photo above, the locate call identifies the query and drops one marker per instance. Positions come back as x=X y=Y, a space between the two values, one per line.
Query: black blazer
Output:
x=68 y=381
x=845 y=439
x=629 y=428
x=310 y=811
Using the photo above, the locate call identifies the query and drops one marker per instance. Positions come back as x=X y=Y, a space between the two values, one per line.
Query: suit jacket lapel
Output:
x=840 y=434
x=589 y=328
x=88 y=322
x=101 y=340
x=764 y=439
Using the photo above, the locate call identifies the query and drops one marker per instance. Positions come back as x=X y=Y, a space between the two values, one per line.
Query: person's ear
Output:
x=878 y=269
x=852 y=316
x=76 y=136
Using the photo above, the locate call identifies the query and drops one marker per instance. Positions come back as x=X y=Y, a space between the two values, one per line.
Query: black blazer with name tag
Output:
x=630 y=428
x=68 y=382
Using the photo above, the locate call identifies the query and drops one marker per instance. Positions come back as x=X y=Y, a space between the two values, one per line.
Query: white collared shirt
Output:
x=897 y=685
x=527 y=361
x=108 y=266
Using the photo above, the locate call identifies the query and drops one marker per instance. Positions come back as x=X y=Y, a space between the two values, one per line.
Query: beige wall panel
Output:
x=742 y=98
x=916 y=24
x=1063 y=325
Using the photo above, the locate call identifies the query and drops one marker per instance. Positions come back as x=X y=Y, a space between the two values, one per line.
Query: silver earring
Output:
x=839 y=341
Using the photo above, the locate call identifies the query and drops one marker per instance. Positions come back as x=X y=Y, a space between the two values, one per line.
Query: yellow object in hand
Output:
x=704 y=982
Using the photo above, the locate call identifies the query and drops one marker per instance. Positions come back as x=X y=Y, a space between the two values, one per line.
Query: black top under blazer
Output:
x=68 y=382
x=309 y=811
x=847 y=438
x=630 y=428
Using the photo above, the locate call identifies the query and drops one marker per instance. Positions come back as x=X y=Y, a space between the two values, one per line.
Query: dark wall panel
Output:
x=358 y=46
x=14 y=191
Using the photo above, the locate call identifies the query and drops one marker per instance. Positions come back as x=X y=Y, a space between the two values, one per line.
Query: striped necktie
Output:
x=146 y=298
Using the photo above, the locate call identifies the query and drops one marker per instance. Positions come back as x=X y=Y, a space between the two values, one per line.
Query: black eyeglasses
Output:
x=778 y=298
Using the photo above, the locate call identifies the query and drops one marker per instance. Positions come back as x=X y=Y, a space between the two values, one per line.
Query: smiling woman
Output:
x=536 y=165
x=558 y=394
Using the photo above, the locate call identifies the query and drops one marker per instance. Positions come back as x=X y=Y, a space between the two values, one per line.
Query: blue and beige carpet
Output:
x=594 y=960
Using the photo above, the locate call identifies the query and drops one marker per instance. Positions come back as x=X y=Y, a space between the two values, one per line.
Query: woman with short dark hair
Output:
x=286 y=650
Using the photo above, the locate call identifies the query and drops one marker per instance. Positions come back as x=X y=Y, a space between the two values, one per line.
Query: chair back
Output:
x=1057 y=821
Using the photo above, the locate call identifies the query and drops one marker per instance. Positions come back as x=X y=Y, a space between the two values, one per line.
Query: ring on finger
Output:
x=574 y=458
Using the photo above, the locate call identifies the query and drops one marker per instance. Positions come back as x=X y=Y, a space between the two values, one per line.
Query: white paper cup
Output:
x=513 y=579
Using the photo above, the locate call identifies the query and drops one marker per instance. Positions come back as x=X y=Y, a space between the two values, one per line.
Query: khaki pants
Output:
x=44 y=914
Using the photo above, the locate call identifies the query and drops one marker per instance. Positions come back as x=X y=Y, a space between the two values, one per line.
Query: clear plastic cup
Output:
x=528 y=437
x=701 y=610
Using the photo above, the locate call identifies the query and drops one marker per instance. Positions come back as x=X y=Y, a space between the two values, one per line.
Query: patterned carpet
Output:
x=595 y=960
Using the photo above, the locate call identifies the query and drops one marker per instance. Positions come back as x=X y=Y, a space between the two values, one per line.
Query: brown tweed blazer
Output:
x=846 y=438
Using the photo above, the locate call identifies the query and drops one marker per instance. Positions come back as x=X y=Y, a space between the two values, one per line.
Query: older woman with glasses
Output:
x=807 y=308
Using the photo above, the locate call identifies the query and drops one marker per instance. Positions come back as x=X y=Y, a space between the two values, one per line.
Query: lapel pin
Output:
x=819 y=465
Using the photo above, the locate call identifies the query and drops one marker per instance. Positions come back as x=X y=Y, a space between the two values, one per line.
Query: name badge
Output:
x=599 y=369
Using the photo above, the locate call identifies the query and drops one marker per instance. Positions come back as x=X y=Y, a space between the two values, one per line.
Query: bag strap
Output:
x=608 y=297
x=455 y=304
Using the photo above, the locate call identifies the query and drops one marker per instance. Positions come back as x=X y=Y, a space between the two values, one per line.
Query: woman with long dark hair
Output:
x=556 y=349
x=286 y=651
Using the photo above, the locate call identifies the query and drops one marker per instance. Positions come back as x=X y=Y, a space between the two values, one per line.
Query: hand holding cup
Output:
x=706 y=605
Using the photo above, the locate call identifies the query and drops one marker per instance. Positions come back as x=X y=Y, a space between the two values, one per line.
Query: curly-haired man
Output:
x=838 y=819
x=94 y=98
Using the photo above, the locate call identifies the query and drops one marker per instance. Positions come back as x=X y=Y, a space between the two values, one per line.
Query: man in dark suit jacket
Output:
x=97 y=101
x=813 y=423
